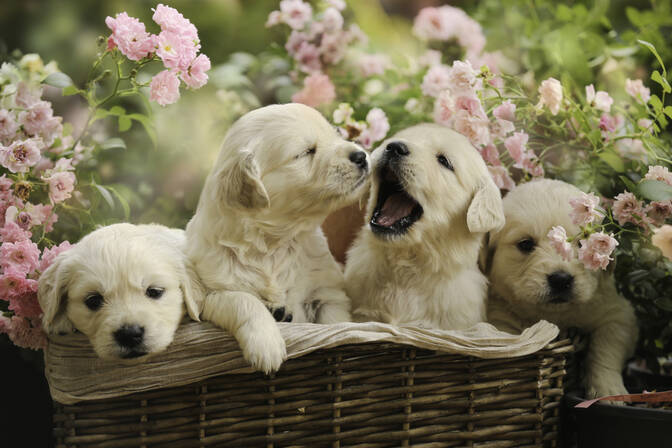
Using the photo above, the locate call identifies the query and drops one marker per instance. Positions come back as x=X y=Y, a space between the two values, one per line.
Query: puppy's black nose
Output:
x=397 y=149
x=358 y=158
x=560 y=281
x=129 y=336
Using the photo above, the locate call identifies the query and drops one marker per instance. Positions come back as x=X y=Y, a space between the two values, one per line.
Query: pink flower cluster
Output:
x=558 y=237
x=595 y=252
x=447 y=23
x=584 y=209
x=316 y=41
x=550 y=95
x=457 y=105
x=177 y=46
x=366 y=133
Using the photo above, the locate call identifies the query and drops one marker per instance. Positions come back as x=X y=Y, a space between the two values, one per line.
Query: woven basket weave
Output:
x=364 y=395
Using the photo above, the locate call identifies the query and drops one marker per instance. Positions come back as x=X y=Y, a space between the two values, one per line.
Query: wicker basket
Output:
x=364 y=395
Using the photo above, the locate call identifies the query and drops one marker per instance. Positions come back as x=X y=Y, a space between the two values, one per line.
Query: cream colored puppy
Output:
x=415 y=261
x=124 y=286
x=255 y=239
x=530 y=281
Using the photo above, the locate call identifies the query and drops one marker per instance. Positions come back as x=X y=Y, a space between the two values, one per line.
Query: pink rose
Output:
x=22 y=256
x=8 y=126
x=471 y=104
x=462 y=79
x=444 y=107
x=129 y=35
x=505 y=111
x=500 y=175
x=432 y=24
x=583 y=209
x=627 y=208
x=476 y=129
x=372 y=64
x=296 y=13
x=12 y=233
x=21 y=155
x=176 y=50
x=48 y=255
x=660 y=173
x=317 y=90
x=595 y=252
x=436 y=80
x=332 y=20
x=195 y=76
x=38 y=120
x=490 y=154
x=169 y=19
x=294 y=42
x=61 y=185
x=308 y=58
x=165 y=87
x=517 y=147
x=558 y=237
x=26 y=333
x=637 y=90
x=659 y=211
x=550 y=92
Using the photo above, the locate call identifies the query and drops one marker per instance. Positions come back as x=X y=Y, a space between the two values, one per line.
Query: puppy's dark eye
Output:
x=94 y=301
x=154 y=292
x=445 y=162
x=526 y=245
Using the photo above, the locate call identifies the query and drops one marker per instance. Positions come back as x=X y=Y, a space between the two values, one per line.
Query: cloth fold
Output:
x=201 y=350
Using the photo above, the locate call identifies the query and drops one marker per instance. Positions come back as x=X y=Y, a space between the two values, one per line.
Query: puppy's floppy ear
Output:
x=53 y=295
x=239 y=183
x=486 y=211
x=193 y=291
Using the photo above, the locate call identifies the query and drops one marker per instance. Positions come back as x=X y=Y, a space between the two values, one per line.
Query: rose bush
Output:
x=45 y=165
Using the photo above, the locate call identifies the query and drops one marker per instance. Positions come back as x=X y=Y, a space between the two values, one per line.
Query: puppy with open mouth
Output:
x=255 y=239
x=124 y=286
x=430 y=203
x=531 y=281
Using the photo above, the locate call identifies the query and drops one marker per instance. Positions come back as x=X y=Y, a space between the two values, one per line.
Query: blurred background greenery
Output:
x=586 y=41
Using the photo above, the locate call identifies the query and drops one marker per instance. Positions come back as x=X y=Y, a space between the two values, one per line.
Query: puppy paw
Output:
x=279 y=312
x=264 y=348
x=606 y=384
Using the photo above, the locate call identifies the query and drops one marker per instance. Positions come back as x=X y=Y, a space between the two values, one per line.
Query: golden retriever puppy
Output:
x=124 y=286
x=430 y=204
x=255 y=239
x=530 y=281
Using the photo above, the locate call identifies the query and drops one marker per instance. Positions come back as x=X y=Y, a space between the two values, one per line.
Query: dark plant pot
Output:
x=610 y=426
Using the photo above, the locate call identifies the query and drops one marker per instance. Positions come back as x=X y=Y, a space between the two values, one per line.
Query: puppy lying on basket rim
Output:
x=255 y=240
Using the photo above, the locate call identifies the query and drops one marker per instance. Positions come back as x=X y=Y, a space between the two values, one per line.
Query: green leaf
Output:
x=124 y=123
x=652 y=49
x=657 y=105
x=613 y=160
x=668 y=111
x=105 y=194
x=655 y=190
x=70 y=90
x=113 y=143
x=117 y=110
x=563 y=13
x=630 y=185
x=656 y=76
x=147 y=124
x=58 y=79
x=122 y=200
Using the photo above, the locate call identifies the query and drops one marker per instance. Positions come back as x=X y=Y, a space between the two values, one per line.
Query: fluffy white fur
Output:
x=255 y=239
x=429 y=275
x=520 y=291
x=120 y=262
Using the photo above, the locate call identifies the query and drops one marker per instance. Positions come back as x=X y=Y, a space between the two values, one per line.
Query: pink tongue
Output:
x=395 y=207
